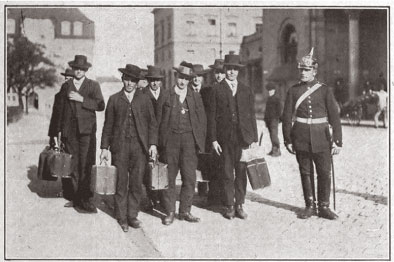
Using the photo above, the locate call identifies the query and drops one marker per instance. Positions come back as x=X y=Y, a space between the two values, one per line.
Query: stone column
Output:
x=354 y=52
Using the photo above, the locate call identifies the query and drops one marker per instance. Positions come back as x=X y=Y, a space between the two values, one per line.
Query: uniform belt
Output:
x=310 y=121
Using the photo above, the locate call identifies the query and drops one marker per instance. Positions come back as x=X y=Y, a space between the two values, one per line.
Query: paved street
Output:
x=38 y=226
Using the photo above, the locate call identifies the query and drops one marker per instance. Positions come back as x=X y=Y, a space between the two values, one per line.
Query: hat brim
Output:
x=155 y=77
x=177 y=70
x=234 y=64
x=124 y=71
x=64 y=74
x=85 y=66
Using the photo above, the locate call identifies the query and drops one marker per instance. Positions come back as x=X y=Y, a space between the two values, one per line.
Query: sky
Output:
x=124 y=35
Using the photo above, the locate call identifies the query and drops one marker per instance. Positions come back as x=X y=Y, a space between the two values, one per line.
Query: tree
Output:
x=27 y=67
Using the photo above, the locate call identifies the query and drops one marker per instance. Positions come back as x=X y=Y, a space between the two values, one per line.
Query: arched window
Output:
x=78 y=28
x=289 y=44
x=65 y=28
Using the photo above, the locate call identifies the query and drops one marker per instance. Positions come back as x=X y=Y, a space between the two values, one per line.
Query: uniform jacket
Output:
x=197 y=116
x=84 y=114
x=219 y=116
x=320 y=103
x=116 y=114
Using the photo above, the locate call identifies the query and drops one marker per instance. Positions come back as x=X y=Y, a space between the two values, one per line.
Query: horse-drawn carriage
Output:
x=356 y=109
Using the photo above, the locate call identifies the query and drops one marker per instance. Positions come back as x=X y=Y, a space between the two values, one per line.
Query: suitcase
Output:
x=104 y=179
x=60 y=164
x=158 y=175
x=258 y=173
x=43 y=172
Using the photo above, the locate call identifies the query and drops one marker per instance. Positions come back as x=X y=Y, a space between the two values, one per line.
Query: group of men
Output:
x=180 y=124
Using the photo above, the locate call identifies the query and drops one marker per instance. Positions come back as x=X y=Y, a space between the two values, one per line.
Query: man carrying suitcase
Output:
x=130 y=133
x=314 y=107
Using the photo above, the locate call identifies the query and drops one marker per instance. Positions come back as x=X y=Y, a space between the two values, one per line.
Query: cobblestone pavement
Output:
x=38 y=226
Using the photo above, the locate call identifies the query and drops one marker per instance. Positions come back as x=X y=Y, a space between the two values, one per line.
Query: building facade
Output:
x=199 y=35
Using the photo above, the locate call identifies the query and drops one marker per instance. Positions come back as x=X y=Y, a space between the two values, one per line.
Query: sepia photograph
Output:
x=184 y=131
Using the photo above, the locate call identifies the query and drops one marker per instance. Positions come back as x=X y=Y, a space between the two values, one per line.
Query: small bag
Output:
x=104 y=179
x=253 y=153
x=257 y=170
x=158 y=175
x=60 y=162
x=43 y=172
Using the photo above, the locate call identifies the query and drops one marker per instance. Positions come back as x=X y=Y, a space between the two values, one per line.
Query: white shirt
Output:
x=78 y=83
x=130 y=95
x=382 y=99
x=233 y=85
x=155 y=93
x=196 y=88
x=181 y=93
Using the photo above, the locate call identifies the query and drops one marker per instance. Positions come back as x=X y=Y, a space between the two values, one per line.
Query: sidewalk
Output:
x=38 y=226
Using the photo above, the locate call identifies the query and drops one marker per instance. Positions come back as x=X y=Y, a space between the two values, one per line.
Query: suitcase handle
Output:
x=105 y=162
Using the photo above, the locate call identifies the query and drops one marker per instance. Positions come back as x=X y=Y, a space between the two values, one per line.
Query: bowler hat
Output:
x=183 y=70
x=154 y=72
x=187 y=64
x=80 y=61
x=218 y=65
x=131 y=70
x=68 y=72
x=270 y=86
x=232 y=60
x=198 y=70
x=308 y=61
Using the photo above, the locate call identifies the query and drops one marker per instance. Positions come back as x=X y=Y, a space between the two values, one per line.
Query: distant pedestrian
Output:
x=381 y=106
x=273 y=111
x=314 y=107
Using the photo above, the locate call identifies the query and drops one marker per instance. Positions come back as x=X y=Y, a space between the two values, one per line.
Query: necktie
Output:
x=233 y=87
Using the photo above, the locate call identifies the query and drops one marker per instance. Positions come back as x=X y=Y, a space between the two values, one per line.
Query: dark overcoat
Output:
x=220 y=114
x=321 y=103
x=57 y=110
x=197 y=117
x=113 y=134
x=155 y=102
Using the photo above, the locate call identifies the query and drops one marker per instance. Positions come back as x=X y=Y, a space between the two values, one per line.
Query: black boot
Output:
x=310 y=209
x=229 y=213
x=325 y=212
x=240 y=213
x=276 y=152
x=169 y=219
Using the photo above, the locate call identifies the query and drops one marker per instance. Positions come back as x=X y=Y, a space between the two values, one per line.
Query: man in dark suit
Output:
x=154 y=91
x=182 y=134
x=314 y=107
x=273 y=111
x=232 y=127
x=130 y=133
x=80 y=99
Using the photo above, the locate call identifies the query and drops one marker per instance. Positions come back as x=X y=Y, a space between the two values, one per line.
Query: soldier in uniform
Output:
x=314 y=107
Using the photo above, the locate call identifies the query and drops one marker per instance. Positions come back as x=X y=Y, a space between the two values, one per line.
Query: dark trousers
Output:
x=215 y=193
x=181 y=154
x=322 y=161
x=130 y=162
x=79 y=146
x=233 y=186
x=272 y=125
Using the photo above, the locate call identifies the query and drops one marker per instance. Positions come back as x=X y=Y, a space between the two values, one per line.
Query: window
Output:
x=65 y=28
x=190 y=28
x=10 y=26
x=212 y=21
x=162 y=32
x=211 y=27
x=232 y=29
x=78 y=28
x=169 y=29
x=191 y=52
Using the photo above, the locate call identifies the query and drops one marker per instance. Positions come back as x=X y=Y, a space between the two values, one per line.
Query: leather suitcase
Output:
x=104 y=179
x=43 y=171
x=158 y=175
x=60 y=164
x=258 y=173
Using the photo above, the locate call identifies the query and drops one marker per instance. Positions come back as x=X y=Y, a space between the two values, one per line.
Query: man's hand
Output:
x=104 y=155
x=153 y=151
x=75 y=96
x=335 y=150
x=216 y=147
x=290 y=148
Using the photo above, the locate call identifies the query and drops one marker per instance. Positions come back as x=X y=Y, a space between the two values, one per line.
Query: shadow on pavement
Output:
x=257 y=198
x=375 y=198
x=43 y=188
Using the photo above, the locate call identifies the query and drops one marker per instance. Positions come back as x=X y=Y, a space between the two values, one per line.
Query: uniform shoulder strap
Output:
x=306 y=94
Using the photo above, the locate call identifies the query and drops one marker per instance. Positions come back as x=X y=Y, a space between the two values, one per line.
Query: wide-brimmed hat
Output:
x=154 y=72
x=218 y=65
x=232 y=60
x=308 y=61
x=184 y=70
x=270 y=86
x=198 y=70
x=131 y=70
x=80 y=61
x=68 y=72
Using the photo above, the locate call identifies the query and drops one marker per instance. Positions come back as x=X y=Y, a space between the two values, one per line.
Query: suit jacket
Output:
x=320 y=103
x=155 y=102
x=197 y=116
x=219 y=117
x=57 y=110
x=82 y=114
x=113 y=134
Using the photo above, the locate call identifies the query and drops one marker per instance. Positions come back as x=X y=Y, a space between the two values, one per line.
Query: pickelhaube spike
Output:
x=308 y=61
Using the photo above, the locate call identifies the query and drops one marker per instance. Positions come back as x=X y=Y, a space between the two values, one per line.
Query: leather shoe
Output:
x=229 y=213
x=240 y=213
x=325 y=212
x=124 y=227
x=134 y=222
x=69 y=204
x=307 y=212
x=188 y=217
x=88 y=207
x=169 y=219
